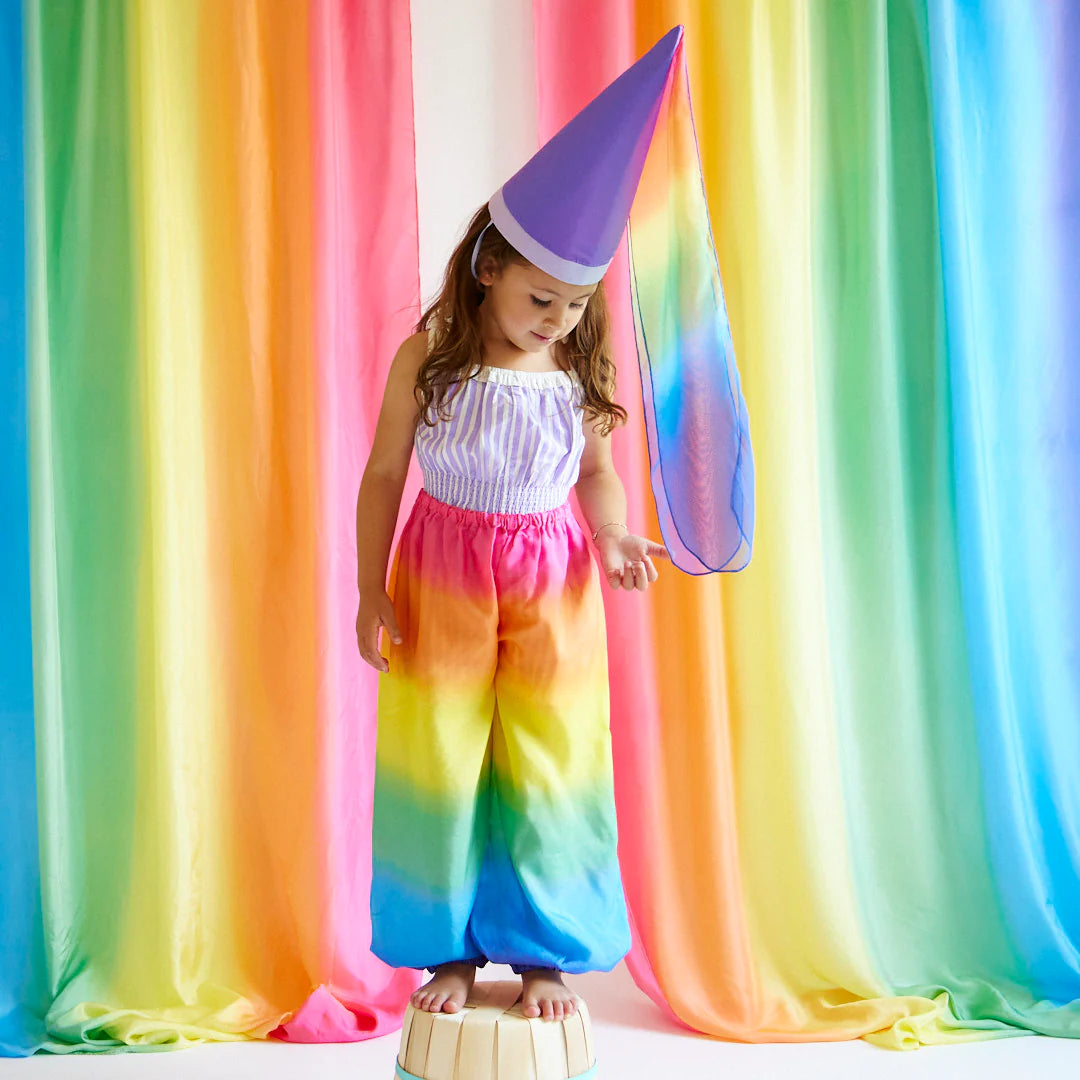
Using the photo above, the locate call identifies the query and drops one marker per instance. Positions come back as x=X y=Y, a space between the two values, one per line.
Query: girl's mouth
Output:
x=541 y=336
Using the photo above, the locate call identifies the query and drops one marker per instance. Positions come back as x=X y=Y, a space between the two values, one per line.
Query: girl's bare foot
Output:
x=447 y=989
x=544 y=994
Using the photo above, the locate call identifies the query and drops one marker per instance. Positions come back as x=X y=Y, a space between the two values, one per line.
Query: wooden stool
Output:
x=491 y=1039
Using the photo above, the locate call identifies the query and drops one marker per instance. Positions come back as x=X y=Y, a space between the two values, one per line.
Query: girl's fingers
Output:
x=367 y=642
x=376 y=658
x=613 y=572
x=388 y=618
x=638 y=575
x=377 y=661
x=634 y=575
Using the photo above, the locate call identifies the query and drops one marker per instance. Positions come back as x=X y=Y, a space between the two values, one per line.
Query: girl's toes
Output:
x=531 y=1010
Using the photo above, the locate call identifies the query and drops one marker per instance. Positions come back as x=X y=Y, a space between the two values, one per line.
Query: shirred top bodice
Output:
x=513 y=442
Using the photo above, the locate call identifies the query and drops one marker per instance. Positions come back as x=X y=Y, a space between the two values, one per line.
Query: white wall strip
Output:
x=474 y=88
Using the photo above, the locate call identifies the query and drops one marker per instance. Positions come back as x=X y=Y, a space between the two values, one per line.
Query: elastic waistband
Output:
x=430 y=505
x=502 y=496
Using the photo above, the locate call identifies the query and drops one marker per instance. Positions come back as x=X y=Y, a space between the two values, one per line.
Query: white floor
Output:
x=634 y=1042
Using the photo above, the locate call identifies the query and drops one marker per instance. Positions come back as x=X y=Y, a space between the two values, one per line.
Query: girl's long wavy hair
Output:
x=456 y=355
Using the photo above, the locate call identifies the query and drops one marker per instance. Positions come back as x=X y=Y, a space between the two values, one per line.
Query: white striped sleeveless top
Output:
x=513 y=443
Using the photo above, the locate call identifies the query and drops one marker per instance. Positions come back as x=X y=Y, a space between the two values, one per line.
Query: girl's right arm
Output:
x=379 y=499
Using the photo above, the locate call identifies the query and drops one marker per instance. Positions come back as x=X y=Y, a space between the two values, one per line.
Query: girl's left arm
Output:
x=626 y=558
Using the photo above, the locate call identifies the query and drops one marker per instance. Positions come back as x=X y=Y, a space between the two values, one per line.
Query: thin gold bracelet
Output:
x=605 y=525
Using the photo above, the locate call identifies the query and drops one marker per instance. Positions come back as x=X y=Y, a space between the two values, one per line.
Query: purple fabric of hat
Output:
x=566 y=208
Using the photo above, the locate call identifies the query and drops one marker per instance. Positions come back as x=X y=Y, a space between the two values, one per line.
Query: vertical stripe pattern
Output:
x=512 y=444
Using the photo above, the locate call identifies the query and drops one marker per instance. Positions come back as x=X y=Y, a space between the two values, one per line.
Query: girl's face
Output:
x=530 y=308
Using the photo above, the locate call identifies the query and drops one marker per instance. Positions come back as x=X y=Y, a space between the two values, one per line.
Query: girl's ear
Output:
x=486 y=268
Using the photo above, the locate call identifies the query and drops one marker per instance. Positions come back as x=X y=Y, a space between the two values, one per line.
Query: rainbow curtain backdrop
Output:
x=848 y=777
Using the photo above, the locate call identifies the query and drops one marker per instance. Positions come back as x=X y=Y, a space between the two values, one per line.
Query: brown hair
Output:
x=456 y=354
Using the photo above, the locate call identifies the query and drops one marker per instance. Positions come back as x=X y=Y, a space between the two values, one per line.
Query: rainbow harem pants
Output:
x=494 y=833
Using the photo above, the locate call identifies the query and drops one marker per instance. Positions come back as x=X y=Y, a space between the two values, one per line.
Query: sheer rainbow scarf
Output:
x=701 y=462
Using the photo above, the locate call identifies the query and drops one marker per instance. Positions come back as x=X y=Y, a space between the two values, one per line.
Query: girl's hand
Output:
x=376 y=611
x=627 y=559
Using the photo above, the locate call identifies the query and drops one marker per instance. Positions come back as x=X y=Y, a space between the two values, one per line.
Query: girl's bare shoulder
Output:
x=416 y=343
x=411 y=354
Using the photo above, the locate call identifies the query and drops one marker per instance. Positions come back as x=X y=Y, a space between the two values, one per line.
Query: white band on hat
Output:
x=476 y=246
x=571 y=272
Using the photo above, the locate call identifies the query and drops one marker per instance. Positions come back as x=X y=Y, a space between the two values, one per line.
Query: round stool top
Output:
x=491 y=1039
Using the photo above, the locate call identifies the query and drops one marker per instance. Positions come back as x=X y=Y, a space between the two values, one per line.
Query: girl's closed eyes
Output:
x=546 y=303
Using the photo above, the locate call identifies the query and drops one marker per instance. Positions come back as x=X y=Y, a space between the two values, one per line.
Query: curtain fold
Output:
x=1006 y=103
x=220 y=197
x=853 y=811
x=23 y=976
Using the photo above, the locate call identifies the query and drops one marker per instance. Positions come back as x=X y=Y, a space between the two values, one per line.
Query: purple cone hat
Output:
x=631 y=155
x=566 y=208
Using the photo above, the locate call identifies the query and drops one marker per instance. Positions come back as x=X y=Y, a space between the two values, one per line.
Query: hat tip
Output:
x=672 y=39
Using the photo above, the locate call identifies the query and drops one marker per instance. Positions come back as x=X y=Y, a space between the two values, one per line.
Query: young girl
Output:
x=494 y=832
